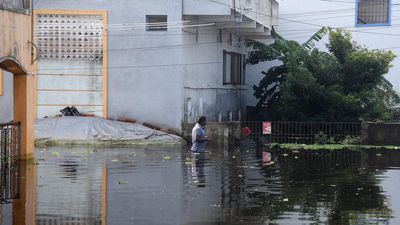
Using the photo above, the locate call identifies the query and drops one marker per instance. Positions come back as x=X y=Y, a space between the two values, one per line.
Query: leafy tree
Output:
x=345 y=84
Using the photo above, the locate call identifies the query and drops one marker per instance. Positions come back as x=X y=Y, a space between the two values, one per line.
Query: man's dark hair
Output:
x=201 y=119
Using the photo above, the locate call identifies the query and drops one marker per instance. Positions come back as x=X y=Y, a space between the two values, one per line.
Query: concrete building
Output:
x=373 y=23
x=163 y=62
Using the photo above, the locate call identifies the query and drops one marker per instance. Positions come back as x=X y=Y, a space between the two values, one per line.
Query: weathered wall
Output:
x=195 y=7
x=6 y=100
x=380 y=134
x=15 y=33
x=203 y=84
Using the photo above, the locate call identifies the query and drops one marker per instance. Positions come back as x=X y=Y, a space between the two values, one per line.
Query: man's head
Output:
x=202 y=120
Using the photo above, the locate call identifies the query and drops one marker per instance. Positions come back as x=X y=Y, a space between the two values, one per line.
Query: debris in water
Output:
x=56 y=154
x=166 y=158
x=115 y=160
x=285 y=199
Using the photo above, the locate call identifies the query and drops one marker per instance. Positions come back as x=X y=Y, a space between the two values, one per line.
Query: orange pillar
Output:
x=24 y=112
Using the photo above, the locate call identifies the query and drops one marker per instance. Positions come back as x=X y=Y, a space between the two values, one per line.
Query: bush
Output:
x=351 y=140
x=321 y=138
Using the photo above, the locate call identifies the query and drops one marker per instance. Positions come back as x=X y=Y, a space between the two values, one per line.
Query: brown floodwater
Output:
x=170 y=185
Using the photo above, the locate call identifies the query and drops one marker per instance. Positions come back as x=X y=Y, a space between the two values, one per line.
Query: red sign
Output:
x=267 y=128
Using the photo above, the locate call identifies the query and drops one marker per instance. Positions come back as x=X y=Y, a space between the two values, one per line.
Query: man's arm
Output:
x=200 y=139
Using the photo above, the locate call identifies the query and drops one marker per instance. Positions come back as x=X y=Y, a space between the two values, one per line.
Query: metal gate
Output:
x=10 y=144
x=302 y=132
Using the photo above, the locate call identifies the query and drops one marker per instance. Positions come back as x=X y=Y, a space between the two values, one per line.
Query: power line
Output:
x=160 y=47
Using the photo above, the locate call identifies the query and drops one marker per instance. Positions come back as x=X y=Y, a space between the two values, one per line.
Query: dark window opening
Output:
x=234 y=68
x=156 y=22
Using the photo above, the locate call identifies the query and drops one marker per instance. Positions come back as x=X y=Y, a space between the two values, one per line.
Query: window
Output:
x=219 y=38
x=234 y=67
x=373 y=12
x=230 y=39
x=156 y=22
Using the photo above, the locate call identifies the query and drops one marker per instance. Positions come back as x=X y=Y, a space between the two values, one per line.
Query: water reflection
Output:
x=20 y=208
x=244 y=185
x=198 y=175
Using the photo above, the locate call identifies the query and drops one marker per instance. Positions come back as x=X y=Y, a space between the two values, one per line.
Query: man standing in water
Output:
x=199 y=137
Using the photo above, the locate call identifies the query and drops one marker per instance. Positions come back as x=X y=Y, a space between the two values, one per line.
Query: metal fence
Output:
x=304 y=132
x=10 y=140
x=16 y=5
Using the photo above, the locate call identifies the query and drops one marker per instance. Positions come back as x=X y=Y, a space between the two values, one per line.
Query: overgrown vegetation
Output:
x=344 y=84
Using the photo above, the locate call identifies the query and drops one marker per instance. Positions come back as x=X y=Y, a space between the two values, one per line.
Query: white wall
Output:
x=204 y=84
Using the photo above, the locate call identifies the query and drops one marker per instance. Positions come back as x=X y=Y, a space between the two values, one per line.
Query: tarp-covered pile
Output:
x=97 y=131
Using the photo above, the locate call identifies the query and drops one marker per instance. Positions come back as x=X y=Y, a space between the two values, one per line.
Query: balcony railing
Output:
x=21 y=6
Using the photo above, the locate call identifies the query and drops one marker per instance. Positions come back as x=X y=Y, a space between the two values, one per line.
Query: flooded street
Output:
x=151 y=186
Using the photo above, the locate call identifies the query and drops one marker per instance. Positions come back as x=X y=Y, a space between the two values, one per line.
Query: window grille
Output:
x=69 y=36
x=373 y=12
